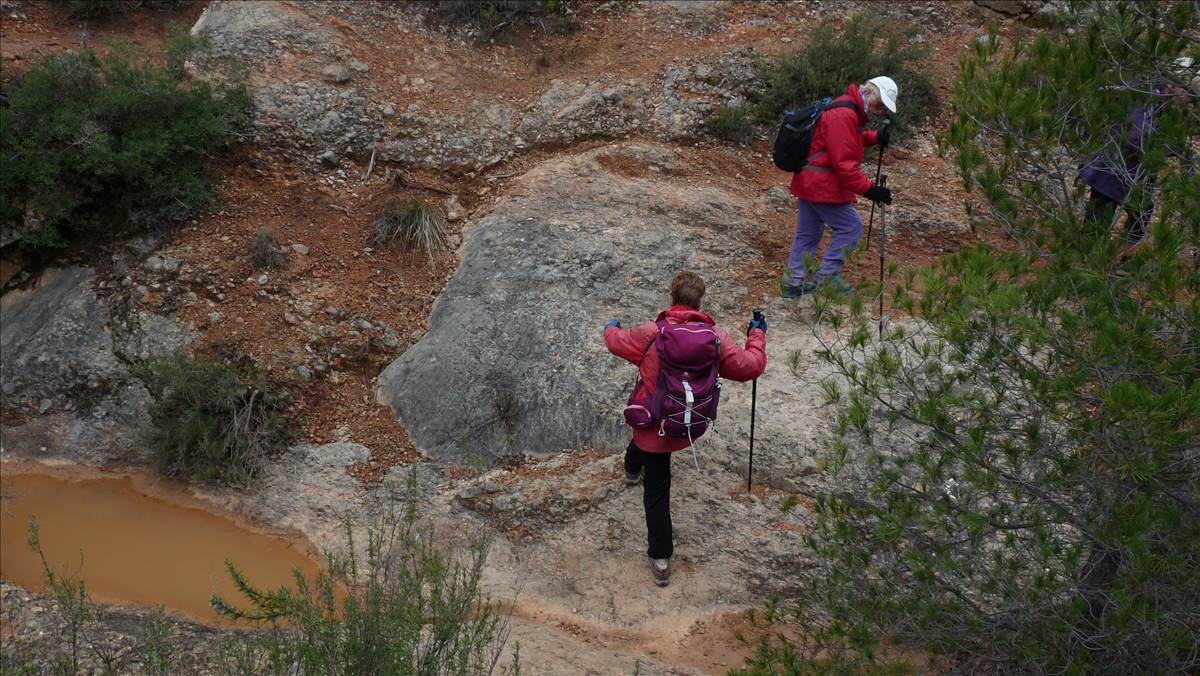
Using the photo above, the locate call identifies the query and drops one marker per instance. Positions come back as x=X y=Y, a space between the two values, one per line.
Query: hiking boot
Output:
x=838 y=285
x=632 y=479
x=662 y=571
x=798 y=290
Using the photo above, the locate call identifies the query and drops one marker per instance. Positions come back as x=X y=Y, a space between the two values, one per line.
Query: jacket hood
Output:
x=856 y=98
x=681 y=313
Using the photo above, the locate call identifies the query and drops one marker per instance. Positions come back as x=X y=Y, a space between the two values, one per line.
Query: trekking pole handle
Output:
x=757 y=313
x=883 y=180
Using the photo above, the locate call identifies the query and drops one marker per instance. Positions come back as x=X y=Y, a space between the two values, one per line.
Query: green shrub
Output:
x=830 y=59
x=91 y=143
x=732 y=123
x=213 y=420
x=414 y=224
x=406 y=609
x=103 y=9
x=491 y=18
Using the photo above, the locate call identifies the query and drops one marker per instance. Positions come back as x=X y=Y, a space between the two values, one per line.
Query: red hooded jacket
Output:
x=634 y=345
x=833 y=173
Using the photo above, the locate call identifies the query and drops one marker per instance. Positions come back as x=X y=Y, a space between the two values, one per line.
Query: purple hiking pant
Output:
x=811 y=218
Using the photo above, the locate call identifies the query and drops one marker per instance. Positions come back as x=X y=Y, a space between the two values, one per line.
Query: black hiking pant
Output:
x=656 y=497
x=1102 y=208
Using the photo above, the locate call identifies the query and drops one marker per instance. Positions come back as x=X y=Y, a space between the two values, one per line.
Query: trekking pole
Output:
x=878 y=169
x=882 y=255
x=758 y=313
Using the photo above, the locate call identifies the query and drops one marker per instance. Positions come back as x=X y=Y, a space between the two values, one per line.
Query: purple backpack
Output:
x=684 y=403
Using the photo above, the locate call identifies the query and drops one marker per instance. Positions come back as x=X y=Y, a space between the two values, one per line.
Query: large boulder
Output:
x=67 y=368
x=54 y=340
x=514 y=361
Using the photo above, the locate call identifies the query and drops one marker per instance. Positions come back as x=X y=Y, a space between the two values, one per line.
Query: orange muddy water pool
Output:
x=135 y=541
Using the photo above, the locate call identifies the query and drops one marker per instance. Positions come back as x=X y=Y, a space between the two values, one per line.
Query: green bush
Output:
x=831 y=59
x=91 y=143
x=491 y=18
x=103 y=9
x=213 y=420
x=732 y=123
x=406 y=609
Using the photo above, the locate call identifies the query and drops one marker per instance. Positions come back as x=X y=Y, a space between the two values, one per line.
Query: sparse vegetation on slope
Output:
x=407 y=608
x=411 y=224
x=214 y=420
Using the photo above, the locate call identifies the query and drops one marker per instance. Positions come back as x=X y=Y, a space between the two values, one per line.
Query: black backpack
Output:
x=796 y=133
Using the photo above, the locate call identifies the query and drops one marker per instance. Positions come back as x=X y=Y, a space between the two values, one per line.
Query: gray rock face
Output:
x=65 y=358
x=54 y=340
x=334 y=105
x=514 y=359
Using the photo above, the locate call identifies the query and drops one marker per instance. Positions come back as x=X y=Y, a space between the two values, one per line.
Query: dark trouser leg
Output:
x=1099 y=208
x=1101 y=569
x=656 y=498
x=1136 y=224
x=633 y=459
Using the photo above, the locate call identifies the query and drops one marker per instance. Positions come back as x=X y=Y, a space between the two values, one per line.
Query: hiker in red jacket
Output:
x=831 y=179
x=648 y=455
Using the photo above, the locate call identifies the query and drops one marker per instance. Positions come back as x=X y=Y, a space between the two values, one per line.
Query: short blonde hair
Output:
x=687 y=289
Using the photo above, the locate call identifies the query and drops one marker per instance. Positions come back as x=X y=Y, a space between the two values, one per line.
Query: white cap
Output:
x=887 y=90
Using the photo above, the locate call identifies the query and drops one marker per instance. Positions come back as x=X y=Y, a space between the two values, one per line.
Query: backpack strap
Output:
x=808 y=166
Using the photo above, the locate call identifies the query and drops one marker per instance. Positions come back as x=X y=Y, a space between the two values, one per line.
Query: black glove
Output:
x=759 y=322
x=884 y=137
x=878 y=194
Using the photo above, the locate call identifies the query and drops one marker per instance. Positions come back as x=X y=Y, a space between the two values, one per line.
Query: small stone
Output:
x=454 y=209
x=291 y=318
x=332 y=311
x=785 y=39
x=328 y=158
x=300 y=249
x=214 y=317
x=262 y=279
x=45 y=405
x=388 y=110
x=303 y=372
x=161 y=264
x=337 y=73
x=358 y=66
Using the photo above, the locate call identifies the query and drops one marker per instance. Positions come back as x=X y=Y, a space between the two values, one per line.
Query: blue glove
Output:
x=758 y=324
x=615 y=322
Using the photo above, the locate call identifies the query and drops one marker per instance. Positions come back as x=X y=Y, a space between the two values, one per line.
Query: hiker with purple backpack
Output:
x=680 y=358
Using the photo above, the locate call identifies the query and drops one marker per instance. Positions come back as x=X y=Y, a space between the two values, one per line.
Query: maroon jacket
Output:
x=634 y=345
x=833 y=173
